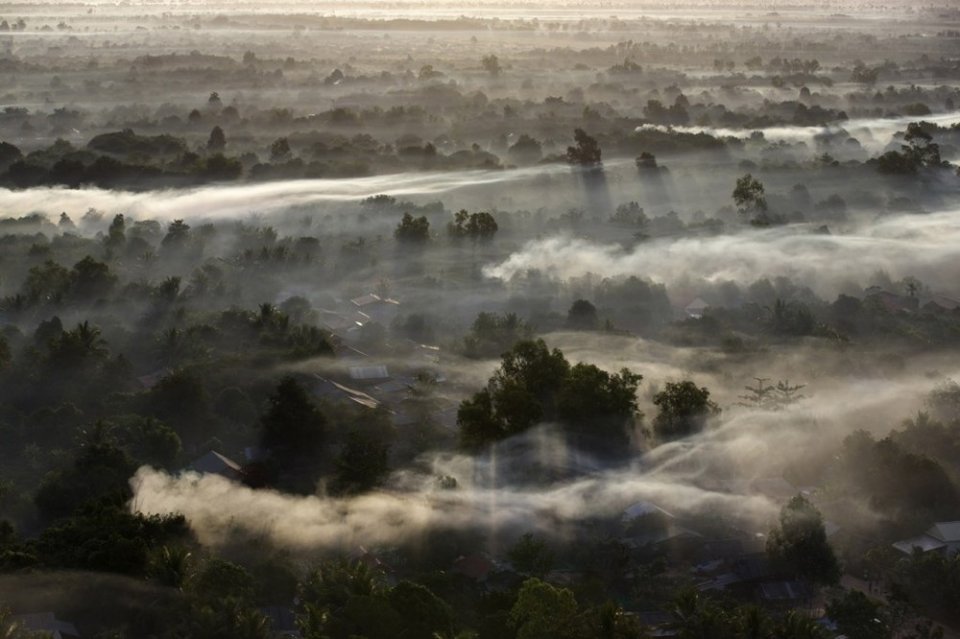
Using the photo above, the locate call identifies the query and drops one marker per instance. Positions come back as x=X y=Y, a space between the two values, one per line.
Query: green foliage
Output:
x=217 y=140
x=542 y=611
x=587 y=151
x=343 y=599
x=292 y=426
x=858 y=617
x=771 y=396
x=748 y=194
x=905 y=486
x=683 y=409
x=218 y=579
x=800 y=544
x=100 y=472
x=480 y=226
x=531 y=555
x=126 y=143
x=362 y=463
x=108 y=539
x=412 y=230
x=695 y=616
x=536 y=384
x=493 y=334
x=582 y=316
x=169 y=565
x=592 y=398
x=280 y=150
x=491 y=64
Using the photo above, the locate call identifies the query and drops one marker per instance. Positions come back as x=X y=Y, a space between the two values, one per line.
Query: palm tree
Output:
x=170 y=566
x=796 y=625
x=89 y=340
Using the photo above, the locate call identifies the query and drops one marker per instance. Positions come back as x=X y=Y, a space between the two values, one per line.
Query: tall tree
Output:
x=293 y=425
x=799 y=544
x=684 y=409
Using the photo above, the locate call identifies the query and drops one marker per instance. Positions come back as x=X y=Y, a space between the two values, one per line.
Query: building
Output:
x=942 y=537
x=47 y=624
x=213 y=463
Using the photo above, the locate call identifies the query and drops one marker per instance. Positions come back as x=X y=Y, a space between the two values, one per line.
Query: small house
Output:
x=213 y=463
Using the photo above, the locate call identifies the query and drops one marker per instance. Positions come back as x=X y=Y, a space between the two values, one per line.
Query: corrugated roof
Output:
x=925 y=543
x=369 y=372
x=947 y=531
x=643 y=508
x=215 y=464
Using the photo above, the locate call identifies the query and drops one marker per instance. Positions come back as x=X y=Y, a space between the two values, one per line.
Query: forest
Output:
x=513 y=319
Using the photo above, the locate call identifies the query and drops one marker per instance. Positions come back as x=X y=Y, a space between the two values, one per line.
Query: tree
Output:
x=100 y=471
x=770 y=396
x=280 y=150
x=292 y=425
x=217 y=141
x=593 y=401
x=587 y=151
x=858 y=617
x=536 y=384
x=799 y=544
x=412 y=230
x=219 y=579
x=542 y=611
x=492 y=334
x=684 y=409
x=178 y=232
x=325 y=596
x=481 y=226
x=531 y=555
x=491 y=64
x=520 y=393
x=526 y=150
x=646 y=162
x=582 y=316
x=749 y=195
x=920 y=146
x=75 y=348
x=46 y=283
x=362 y=463
x=116 y=234
x=91 y=280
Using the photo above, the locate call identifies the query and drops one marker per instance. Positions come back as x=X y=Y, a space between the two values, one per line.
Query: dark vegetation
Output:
x=522 y=313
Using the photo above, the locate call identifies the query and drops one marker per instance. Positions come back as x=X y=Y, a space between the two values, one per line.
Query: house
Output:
x=213 y=463
x=788 y=593
x=659 y=623
x=938 y=304
x=643 y=509
x=369 y=374
x=382 y=310
x=341 y=322
x=892 y=301
x=330 y=390
x=150 y=380
x=943 y=537
x=475 y=567
x=47 y=624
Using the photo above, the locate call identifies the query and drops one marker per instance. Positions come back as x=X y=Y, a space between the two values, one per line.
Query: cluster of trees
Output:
x=535 y=384
x=920 y=151
x=480 y=226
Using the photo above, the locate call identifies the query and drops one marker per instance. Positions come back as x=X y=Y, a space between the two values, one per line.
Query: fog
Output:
x=316 y=317
x=922 y=246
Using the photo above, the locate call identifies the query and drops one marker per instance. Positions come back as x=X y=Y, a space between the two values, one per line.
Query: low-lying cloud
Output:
x=923 y=246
